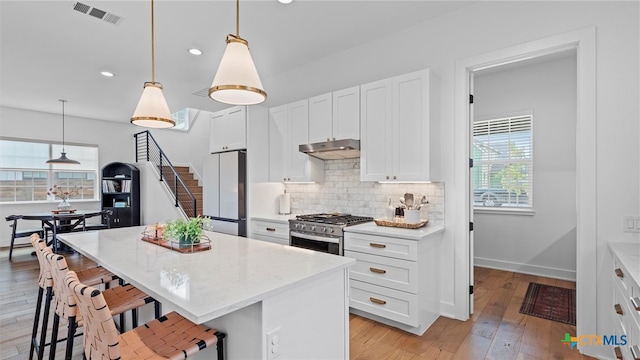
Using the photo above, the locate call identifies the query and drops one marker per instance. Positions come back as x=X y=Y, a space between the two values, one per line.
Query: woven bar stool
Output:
x=168 y=337
x=120 y=300
x=94 y=276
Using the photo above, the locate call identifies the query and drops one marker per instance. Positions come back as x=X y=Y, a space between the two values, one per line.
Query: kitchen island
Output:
x=271 y=300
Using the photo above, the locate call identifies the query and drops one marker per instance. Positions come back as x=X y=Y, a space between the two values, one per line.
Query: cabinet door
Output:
x=210 y=186
x=346 y=114
x=411 y=126
x=237 y=128
x=277 y=136
x=295 y=161
x=228 y=130
x=320 y=118
x=217 y=140
x=375 y=143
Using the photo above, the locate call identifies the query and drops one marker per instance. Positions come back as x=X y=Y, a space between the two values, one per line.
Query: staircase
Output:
x=187 y=197
x=191 y=183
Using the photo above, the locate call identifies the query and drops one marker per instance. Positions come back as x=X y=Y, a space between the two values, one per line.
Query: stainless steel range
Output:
x=322 y=232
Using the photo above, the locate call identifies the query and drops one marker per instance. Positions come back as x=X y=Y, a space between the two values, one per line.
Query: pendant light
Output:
x=237 y=81
x=63 y=159
x=152 y=110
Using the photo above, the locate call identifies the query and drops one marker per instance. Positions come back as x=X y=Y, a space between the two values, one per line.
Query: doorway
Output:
x=523 y=133
x=583 y=41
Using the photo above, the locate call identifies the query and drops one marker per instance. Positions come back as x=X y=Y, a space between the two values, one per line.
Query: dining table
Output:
x=60 y=222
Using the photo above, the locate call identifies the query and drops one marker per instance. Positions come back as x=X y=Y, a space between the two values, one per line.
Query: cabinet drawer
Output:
x=384 y=271
x=383 y=246
x=266 y=228
x=390 y=304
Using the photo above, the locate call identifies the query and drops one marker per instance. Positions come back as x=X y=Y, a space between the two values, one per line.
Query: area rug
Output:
x=550 y=302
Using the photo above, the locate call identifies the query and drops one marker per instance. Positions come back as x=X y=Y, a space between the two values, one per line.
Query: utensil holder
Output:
x=411 y=216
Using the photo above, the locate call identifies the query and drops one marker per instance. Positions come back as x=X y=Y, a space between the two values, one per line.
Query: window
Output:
x=503 y=163
x=25 y=176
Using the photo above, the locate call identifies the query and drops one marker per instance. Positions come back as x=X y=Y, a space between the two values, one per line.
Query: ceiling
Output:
x=50 y=51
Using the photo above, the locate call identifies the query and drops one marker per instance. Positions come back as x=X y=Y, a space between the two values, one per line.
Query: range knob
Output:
x=323 y=229
x=312 y=228
x=330 y=230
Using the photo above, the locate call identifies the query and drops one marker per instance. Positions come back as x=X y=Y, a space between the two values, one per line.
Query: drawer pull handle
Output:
x=379 y=246
x=618 y=352
x=618 y=309
x=619 y=273
x=635 y=352
x=377 y=301
x=636 y=303
x=377 y=271
x=271 y=229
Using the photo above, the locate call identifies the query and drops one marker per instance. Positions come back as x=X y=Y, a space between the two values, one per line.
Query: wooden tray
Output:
x=69 y=211
x=202 y=246
x=402 y=224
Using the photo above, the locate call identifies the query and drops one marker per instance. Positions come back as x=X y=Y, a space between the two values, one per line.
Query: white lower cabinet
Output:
x=625 y=309
x=271 y=231
x=395 y=280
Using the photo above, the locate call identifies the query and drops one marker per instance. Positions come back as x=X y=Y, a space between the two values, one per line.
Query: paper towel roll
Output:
x=285 y=204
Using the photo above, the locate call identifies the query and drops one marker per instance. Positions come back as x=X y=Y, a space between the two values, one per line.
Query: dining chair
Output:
x=95 y=276
x=19 y=234
x=120 y=299
x=169 y=337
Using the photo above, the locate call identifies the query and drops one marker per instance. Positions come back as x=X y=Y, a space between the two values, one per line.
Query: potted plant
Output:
x=186 y=232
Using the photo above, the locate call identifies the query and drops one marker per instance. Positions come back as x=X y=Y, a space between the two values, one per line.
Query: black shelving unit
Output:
x=121 y=193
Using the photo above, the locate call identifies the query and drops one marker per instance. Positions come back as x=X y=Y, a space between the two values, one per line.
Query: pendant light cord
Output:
x=238 y=18
x=153 y=49
x=62 y=101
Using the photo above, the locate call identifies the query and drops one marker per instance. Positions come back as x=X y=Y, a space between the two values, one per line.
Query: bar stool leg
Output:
x=45 y=320
x=54 y=337
x=36 y=322
x=73 y=325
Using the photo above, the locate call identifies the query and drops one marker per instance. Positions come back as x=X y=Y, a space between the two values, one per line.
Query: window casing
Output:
x=26 y=177
x=502 y=173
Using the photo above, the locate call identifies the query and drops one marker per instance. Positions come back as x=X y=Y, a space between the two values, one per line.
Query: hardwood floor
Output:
x=496 y=331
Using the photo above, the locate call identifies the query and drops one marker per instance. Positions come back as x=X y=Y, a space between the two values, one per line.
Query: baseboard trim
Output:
x=550 y=272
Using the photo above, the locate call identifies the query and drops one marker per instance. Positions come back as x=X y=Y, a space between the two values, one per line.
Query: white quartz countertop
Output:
x=629 y=255
x=411 y=234
x=283 y=219
x=202 y=286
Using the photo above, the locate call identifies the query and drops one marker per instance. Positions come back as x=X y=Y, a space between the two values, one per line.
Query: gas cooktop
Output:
x=334 y=219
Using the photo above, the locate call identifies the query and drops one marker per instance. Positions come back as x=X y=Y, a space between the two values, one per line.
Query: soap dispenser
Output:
x=390 y=212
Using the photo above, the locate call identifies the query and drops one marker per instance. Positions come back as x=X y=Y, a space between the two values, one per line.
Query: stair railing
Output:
x=147 y=149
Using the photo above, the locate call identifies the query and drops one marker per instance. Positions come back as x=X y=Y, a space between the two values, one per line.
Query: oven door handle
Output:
x=315 y=237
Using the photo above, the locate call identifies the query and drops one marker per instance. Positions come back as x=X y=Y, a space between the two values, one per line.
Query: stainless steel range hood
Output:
x=333 y=149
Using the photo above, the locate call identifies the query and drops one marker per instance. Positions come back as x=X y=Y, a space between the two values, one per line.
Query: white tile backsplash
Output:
x=342 y=191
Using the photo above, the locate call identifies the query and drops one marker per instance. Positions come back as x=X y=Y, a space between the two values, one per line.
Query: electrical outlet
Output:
x=631 y=224
x=273 y=343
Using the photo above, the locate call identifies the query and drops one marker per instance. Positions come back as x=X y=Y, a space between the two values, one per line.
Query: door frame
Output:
x=584 y=41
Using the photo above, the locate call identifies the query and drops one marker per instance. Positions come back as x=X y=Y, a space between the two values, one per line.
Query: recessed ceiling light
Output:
x=106 y=73
x=285 y=1
x=195 y=51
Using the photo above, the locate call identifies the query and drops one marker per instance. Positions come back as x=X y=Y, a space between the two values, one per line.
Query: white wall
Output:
x=543 y=243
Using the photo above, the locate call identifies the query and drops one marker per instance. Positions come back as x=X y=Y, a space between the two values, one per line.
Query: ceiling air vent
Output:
x=96 y=13
x=202 y=92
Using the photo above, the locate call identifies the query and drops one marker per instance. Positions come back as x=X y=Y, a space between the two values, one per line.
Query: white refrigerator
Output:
x=224 y=192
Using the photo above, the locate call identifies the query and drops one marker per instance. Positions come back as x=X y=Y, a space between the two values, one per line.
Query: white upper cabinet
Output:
x=335 y=115
x=346 y=113
x=228 y=130
x=320 y=118
x=288 y=129
x=400 y=133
